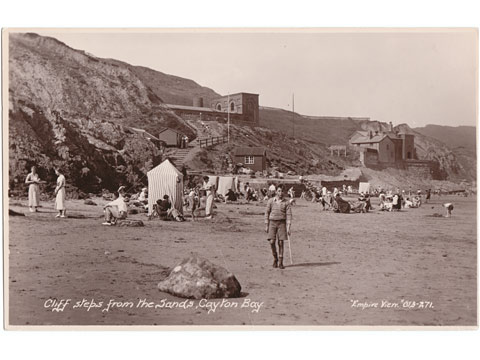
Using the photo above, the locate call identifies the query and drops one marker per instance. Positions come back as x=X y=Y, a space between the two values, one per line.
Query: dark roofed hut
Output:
x=170 y=137
x=254 y=158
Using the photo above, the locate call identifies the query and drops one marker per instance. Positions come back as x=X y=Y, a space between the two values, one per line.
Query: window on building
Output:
x=409 y=155
x=249 y=160
x=219 y=107
x=232 y=106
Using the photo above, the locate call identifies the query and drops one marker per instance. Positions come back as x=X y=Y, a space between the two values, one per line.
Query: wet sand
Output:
x=348 y=269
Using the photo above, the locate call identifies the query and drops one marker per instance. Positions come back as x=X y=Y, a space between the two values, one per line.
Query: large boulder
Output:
x=198 y=278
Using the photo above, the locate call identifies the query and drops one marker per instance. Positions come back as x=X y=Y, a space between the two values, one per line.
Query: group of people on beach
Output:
x=200 y=197
x=33 y=181
x=278 y=211
x=397 y=200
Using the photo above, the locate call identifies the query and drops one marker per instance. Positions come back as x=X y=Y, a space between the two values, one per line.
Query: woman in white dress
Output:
x=209 y=205
x=33 y=189
x=60 y=194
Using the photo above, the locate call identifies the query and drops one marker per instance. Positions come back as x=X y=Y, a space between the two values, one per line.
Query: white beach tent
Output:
x=213 y=180
x=225 y=183
x=364 y=187
x=165 y=179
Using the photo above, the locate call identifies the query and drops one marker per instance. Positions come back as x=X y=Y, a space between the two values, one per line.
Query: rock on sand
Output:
x=131 y=223
x=198 y=278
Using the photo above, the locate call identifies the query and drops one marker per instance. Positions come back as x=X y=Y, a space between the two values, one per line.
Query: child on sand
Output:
x=449 y=208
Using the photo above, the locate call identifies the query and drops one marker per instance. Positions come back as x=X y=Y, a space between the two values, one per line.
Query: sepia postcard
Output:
x=240 y=178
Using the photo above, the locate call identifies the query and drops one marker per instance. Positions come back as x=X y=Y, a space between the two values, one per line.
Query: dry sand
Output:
x=338 y=258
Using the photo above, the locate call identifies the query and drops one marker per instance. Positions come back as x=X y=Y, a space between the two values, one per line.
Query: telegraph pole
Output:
x=228 y=118
x=293 y=114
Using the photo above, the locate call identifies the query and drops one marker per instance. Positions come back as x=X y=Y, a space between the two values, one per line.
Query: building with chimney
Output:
x=383 y=147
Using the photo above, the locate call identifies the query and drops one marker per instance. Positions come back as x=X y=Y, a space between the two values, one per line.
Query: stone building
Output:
x=383 y=148
x=242 y=103
x=242 y=107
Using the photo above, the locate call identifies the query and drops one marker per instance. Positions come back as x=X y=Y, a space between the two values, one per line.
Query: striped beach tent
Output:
x=165 y=179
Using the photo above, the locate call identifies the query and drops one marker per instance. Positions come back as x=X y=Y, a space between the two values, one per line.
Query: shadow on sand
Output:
x=313 y=264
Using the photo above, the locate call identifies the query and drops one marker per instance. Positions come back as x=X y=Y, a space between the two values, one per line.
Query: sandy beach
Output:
x=381 y=268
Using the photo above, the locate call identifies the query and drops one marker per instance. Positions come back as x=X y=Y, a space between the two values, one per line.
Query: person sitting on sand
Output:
x=343 y=206
x=388 y=204
x=143 y=197
x=163 y=207
x=230 y=196
x=166 y=211
x=416 y=201
x=363 y=204
x=409 y=203
x=325 y=201
x=116 y=209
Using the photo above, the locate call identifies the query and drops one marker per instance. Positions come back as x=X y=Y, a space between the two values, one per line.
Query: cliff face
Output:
x=461 y=141
x=172 y=89
x=70 y=109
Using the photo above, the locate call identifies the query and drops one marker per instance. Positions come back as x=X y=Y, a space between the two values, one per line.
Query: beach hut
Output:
x=165 y=179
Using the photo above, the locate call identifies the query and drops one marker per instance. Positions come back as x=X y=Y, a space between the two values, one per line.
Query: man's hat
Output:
x=121 y=188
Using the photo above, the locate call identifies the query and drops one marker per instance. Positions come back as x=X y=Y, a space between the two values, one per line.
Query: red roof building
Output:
x=251 y=157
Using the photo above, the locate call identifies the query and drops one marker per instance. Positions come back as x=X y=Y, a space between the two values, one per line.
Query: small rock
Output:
x=130 y=223
x=90 y=202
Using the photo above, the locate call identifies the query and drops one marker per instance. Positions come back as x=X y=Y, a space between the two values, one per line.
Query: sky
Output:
x=414 y=77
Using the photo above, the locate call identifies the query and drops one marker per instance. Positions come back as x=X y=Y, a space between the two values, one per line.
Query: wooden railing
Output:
x=212 y=141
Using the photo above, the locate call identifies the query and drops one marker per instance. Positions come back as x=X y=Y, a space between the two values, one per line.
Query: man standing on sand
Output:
x=278 y=221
